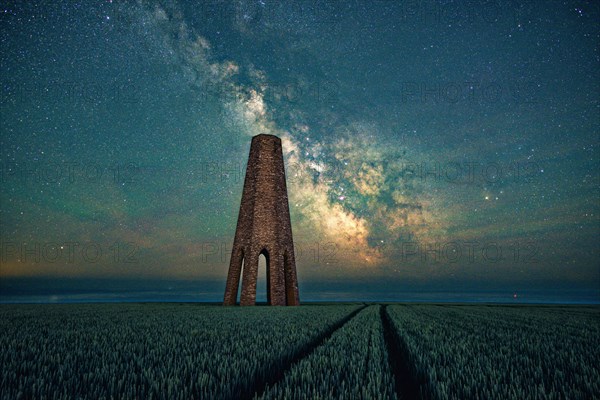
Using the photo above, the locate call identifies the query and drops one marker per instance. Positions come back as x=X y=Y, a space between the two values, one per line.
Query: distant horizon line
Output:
x=313 y=302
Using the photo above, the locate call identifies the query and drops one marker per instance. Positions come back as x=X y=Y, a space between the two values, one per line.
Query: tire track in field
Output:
x=275 y=373
x=408 y=385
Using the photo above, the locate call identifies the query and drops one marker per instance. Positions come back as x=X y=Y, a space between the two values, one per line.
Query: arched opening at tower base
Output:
x=263 y=284
x=257 y=284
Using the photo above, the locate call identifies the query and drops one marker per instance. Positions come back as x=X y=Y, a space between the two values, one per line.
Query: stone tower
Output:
x=264 y=227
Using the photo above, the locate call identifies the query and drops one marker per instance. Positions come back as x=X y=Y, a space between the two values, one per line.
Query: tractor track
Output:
x=408 y=385
x=275 y=373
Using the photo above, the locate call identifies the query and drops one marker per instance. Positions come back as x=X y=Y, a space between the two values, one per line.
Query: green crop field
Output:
x=319 y=351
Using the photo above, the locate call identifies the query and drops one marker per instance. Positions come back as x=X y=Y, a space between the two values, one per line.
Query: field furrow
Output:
x=277 y=370
x=407 y=387
x=352 y=363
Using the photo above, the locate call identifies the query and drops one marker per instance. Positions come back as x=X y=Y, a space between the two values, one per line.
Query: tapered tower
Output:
x=264 y=227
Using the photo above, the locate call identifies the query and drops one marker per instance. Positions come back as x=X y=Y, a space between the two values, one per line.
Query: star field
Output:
x=427 y=143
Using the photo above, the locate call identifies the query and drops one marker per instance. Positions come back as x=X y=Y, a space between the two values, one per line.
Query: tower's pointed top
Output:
x=265 y=136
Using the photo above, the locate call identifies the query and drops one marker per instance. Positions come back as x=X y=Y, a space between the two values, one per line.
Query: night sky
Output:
x=434 y=150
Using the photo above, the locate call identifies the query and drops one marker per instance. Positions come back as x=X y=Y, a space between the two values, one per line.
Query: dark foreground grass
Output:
x=194 y=351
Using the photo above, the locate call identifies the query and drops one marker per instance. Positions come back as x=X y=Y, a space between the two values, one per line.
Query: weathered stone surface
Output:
x=264 y=227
